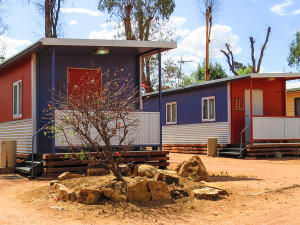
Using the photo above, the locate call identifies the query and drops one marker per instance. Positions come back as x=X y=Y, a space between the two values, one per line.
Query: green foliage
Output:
x=294 y=56
x=137 y=16
x=216 y=72
x=241 y=69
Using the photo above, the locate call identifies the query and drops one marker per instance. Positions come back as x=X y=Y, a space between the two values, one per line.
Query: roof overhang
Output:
x=139 y=48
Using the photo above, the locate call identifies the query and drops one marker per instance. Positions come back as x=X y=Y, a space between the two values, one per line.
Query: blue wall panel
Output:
x=189 y=104
x=124 y=64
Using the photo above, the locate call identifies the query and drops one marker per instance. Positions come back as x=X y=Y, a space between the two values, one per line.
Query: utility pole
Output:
x=208 y=31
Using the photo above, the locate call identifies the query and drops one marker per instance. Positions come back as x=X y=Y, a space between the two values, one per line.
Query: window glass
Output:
x=169 y=113
x=211 y=109
x=20 y=98
x=174 y=113
x=15 y=99
x=205 y=109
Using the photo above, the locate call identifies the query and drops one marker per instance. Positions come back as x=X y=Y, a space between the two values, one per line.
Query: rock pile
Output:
x=146 y=184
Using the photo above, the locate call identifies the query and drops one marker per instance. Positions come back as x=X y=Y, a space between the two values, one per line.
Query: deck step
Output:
x=34 y=162
x=233 y=151
x=23 y=169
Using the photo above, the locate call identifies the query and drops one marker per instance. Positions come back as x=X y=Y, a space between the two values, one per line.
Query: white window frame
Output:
x=208 y=99
x=19 y=99
x=171 y=104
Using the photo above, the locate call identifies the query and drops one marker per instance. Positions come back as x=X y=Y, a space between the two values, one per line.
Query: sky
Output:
x=235 y=22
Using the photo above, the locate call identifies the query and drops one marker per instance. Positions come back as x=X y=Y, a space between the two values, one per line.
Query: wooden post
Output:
x=284 y=97
x=53 y=96
x=160 y=99
x=251 y=110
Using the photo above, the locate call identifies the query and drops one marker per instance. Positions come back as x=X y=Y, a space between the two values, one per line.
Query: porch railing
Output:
x=276 y=128
x=145 y=133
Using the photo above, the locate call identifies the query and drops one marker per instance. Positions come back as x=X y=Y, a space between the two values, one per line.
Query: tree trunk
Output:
x=48 y=19
x=127 y=23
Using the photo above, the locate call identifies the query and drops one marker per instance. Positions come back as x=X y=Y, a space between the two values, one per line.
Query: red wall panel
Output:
x=18 y=71
x=273 y=100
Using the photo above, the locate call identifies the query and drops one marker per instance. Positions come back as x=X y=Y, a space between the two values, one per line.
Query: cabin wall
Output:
x=123 y=64
x=273 y=102
x=19 y=129
x=190 y=129
x=290 y=102
x=19 y=71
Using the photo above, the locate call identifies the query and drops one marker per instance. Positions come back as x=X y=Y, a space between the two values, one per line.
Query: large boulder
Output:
x=145 y=171
x=207 y=193
x=168 y=176
x=68 y=175
x=159 y=191
x=88 y=196
x=66 y=194
x=138 y=191
x=193 y=168
x=97 y=172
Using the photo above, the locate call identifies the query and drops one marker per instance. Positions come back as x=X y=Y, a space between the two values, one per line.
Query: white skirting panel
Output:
x=21 y=131
x=196 y=133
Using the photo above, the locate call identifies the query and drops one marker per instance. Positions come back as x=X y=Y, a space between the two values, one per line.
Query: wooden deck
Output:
x=200 y=149
x=6 y=170
x=55 y=164
x=273 y=149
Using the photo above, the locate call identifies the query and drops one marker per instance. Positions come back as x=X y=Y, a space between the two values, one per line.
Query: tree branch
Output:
x=263 y=49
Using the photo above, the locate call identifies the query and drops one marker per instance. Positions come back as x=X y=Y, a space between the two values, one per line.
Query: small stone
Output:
x=97 y=172
x=159 y=190
x=146 y=171
x=206 y=193
x=57 y=207
x=52 y=182
x=138 y=191
x=88 y=196
x=68 y=175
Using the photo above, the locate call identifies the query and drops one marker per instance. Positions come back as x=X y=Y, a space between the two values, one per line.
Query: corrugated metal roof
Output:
x=144 y=46
x=225 y=80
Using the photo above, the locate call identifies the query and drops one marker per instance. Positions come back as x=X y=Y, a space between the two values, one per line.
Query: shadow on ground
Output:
x=11 y=177
x=230 y=178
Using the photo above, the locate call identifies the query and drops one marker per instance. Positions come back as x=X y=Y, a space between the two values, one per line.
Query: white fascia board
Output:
x=107 y=43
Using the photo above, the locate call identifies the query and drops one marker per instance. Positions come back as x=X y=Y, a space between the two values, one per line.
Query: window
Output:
x=17 y=99
x=171 y=112
x=208 y=109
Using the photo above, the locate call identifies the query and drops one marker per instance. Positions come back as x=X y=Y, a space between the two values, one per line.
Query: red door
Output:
x=81 y=80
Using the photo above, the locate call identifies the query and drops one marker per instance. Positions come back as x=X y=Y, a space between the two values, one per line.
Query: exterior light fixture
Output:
x=102 y=51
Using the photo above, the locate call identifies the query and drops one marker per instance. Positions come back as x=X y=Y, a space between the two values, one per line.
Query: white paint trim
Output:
x=107 y=43
x=229 y=110
x=209 y=98
x=19 y=102
x=171 y=104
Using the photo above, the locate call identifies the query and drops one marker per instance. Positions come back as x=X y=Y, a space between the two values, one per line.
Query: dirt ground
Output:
x=260 y=192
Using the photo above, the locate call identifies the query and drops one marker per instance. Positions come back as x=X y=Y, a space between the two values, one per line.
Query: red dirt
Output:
x=26 y=202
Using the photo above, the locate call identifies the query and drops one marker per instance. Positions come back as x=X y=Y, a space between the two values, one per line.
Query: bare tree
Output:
x=255 y=68
x=139 y=17
x=208 y=9
x=51 y=11
x=99 y=118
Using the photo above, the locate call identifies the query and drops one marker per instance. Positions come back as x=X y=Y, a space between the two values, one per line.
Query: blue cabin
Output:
x=27 y=78
x=241 y=110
